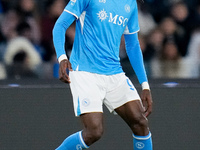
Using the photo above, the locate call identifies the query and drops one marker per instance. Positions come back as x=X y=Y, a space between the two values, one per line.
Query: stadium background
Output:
x=36 y=109
x=38 y=115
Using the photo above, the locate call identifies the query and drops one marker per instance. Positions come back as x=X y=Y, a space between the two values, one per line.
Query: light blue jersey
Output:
x=99 y=27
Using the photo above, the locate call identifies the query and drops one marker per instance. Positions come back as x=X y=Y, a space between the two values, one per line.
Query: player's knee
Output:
x=97 y=133
x=94 y=134
x=140 y=125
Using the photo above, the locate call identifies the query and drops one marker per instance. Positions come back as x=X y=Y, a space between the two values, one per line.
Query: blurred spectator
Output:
x=28 y=12
x=185 y=19
x=8 y=29
x=9 y=24
x=28 y=60
x=151 y=47
x=173 y=32
x=25 y=30
x=20 y=67
x=146 y=20
x=192 y=60
x=53 y=10
x=158 y=8
x=154 y=45
x=18 y=44
x=169 y=64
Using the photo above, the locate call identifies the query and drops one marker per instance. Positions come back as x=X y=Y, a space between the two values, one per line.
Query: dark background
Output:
x=38 y=115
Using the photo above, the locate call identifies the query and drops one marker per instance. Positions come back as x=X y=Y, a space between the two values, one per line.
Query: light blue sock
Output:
x=73 y=142
x=142 y=142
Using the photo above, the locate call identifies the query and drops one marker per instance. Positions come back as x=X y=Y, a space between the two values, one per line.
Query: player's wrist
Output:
x=62 y=57
x=145 y=86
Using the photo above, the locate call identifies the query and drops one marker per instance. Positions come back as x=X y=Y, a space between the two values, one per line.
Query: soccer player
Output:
x=95 y=74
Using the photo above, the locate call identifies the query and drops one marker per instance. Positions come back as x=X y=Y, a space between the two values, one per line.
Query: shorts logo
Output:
x=127 y=8
x=78 y=147
x=85 y=102
x=140 y=145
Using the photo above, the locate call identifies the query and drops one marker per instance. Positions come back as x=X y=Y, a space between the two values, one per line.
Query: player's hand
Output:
x=147 y=101
x=64 y=65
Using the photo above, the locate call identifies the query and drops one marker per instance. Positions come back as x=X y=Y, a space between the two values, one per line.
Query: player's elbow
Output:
x=55 y=29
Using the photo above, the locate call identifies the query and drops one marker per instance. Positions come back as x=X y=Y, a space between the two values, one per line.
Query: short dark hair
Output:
x=22 y=26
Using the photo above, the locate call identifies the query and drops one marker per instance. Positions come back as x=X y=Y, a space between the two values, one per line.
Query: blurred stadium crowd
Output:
x=169 y=38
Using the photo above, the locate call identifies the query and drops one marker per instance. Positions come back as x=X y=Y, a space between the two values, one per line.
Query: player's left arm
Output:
x=136 y=59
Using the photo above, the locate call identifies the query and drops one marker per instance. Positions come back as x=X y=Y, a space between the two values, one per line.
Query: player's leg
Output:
x=92 y=131
x=133 y=114
x=73 y=142
x=87 y=100
x=93 y=127
x=124 y=99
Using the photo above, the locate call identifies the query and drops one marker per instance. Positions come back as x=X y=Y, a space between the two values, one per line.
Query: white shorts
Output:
x=90 y=91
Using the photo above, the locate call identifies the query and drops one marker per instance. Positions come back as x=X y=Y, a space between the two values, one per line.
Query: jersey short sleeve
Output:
x=133 y=23
x=76 y=7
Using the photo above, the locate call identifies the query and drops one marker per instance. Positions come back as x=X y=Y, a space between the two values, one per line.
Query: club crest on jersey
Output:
x=102 y=1
x=74 y=1
x=127 y=8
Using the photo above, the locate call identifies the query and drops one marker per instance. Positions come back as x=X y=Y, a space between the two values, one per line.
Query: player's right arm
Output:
x=136 y=59
x=59 y=30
